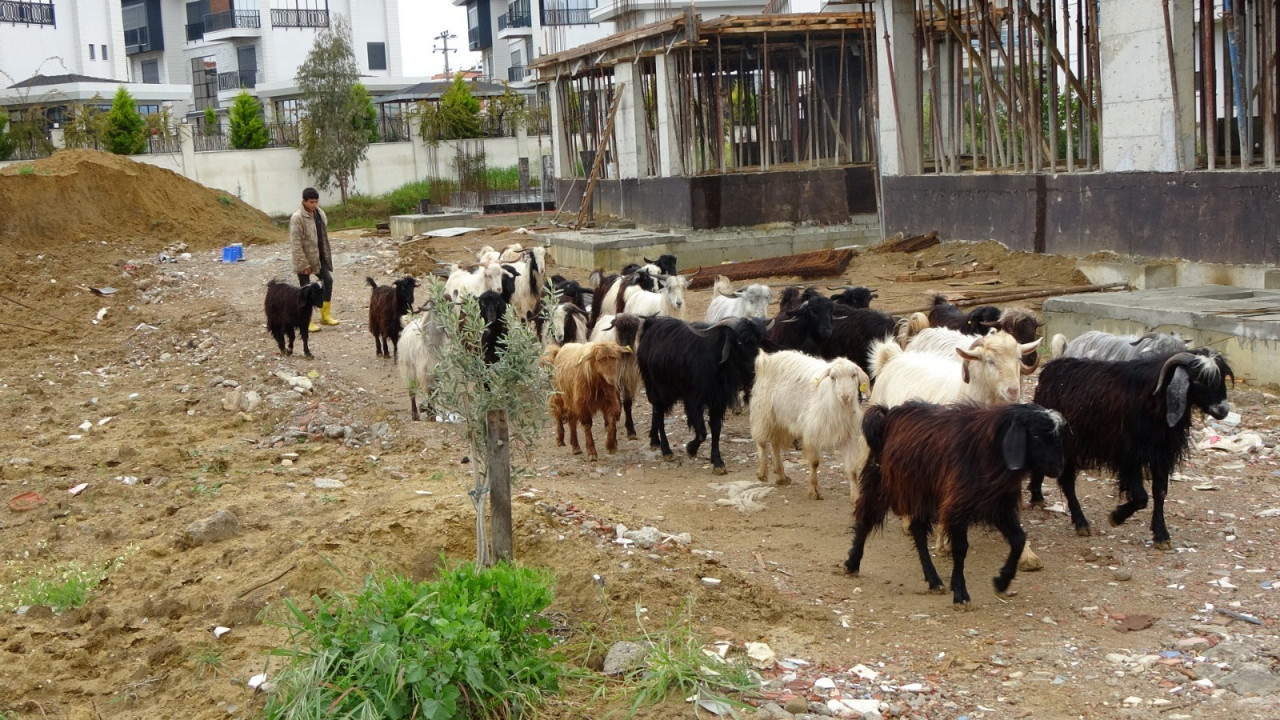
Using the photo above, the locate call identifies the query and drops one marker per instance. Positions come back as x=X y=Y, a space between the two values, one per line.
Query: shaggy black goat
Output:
x=288 y=308
x=854 y=297
x=387 y=305
x=665 y=263
x=703 y=369
x=954 y=465
x=1134 y=418
x=853 y=331
x=493 y=310
x=975 y=322
x=803 y=322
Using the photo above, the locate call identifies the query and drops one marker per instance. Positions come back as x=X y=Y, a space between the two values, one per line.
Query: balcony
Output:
x=21 y=12
x=232 y=24
x=299 y=18
x=567 y=12
x=237 y=80
x=195 y=31
x=516 y=16
x=473 y=39
x=137 y=40
x=519 y=73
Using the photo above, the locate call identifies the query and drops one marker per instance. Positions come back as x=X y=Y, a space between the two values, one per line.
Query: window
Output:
x=91 y=57
x=204 y=81
x=151 y=72
x=104 y=51
x=377 y=56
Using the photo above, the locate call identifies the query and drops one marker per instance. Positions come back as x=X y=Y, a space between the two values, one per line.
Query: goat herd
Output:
x=926 y=412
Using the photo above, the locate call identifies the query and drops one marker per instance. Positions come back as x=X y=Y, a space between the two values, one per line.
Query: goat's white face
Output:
x=845 y=378
x=674 y=290
x=995 y=366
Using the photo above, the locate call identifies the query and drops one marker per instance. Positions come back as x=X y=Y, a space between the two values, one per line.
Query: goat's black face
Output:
x=1033 y=441
x=492 y=307
x=982 y=319
x=404 y=293
x=1208 y=389
x=313 y=295
x=817 y=311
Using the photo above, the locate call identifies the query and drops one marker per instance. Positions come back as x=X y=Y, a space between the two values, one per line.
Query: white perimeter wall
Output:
x=272 y=179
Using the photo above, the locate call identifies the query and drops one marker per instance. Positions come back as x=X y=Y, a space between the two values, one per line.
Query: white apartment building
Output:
x=627 y=14
x=510 y=35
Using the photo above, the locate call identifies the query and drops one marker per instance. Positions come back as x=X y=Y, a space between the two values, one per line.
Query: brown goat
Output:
x=956 y=465
x=387 y=304
x=585 y=381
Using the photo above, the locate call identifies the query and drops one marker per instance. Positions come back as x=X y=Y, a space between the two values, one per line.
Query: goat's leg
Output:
x=699 y=427
x=289 y=334
x=920 y=528
x=1131 y=485
x=658 y=431
x=868 y=515
x=812 y=458
x=1035 y=486
x=413 y=405
x=627 y=399
x=588 y=437
x=762 y=464
x=279 y=336
x=573 y=434
x=716 y=419
x=1009 y=526
x=559 y=416
x=1159 y=489
x=395 y=349
x=306 y=346
x=611 y=431
x=855 y=461
x=959 y=534
x=1067 y=484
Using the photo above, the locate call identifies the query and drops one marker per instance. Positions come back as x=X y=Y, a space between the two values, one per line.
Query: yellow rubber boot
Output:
x=312 y=327
x=325 y=317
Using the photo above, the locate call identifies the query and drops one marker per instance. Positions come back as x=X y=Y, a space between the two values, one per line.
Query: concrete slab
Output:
x=1242 y=323
x=414 y=224
x=612 y=248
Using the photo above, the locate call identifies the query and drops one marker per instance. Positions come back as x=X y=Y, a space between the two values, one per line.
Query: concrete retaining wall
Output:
x=1219 y=217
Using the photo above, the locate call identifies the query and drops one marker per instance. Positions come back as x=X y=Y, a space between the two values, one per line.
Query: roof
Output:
x=43 y=80
x=434 y=89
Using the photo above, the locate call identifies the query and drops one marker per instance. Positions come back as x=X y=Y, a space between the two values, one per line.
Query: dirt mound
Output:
x=79 y=195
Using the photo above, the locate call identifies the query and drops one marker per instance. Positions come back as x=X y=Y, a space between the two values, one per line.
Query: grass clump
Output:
x=64 y=586
x=469 y=645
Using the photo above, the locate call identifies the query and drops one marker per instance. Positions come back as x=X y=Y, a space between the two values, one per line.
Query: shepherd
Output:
x=309 y=237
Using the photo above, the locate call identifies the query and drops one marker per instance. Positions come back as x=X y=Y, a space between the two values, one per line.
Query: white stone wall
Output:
x=272 y=179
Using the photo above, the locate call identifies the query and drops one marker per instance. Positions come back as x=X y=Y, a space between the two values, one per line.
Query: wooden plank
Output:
x=601 y=151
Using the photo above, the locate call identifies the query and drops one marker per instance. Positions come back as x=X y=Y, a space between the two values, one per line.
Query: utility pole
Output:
x=444 y=37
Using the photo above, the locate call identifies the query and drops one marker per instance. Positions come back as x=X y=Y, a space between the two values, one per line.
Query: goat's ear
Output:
x=1176 y=396
x=728 y=348
x=1014 y=446
x=964 y=356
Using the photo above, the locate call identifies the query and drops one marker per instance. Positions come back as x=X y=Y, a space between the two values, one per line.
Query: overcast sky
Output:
x=421 y=21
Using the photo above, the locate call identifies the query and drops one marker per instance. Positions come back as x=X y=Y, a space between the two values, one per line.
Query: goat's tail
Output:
x=1057 y=345
x=882 y=353
x=372 y=284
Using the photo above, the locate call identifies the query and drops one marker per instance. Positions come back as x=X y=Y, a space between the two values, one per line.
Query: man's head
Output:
x=310 y=199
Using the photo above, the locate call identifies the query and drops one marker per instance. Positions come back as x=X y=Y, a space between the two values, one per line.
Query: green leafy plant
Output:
x=211 y=124
x=63 y=586
x=27 y=170
x=248 y=129
x=86 y=126
x=460 y=111
x=7 y=144
x=125 y=129
x=333 y=136
x=206 y=661
x=368 y=119
x=469 y=645
x=518 y=383
x=226 y=200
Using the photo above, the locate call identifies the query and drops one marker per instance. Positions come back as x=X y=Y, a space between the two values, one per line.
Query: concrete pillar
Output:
x=629 y=127
x=561 y=163
x=522 y=141
x=900 y=110
x=1141 y=128
x=188 y=145
x=670 y=163
x=58 y=138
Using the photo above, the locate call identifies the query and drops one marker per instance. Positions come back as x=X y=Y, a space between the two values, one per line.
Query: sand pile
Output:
x=79 y=195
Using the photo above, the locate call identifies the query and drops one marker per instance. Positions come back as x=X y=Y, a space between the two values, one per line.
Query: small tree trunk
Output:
x=498 y=464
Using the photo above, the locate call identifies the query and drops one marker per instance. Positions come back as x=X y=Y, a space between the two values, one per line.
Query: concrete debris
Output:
x=219 y=526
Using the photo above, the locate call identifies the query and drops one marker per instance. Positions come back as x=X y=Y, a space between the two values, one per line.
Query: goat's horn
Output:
x=1147 y=336
x=839 y=317
x=1181 y=358
x=1026 y=369
x=840 y=287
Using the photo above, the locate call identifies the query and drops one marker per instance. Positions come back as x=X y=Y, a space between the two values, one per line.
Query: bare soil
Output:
x=150 y=377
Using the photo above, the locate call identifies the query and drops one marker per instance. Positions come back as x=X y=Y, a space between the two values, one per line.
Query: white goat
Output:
x=529 y=274
x=1098 y=345
x=796 y=396
x=476 y=282
x=751 y=301
x=512 y=253
x=487 y=255
x=568 y=323
x=668 y=301
x=419 y=351
x=609 y=304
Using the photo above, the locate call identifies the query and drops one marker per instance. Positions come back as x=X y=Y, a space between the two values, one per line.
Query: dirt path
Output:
x=1059 y=647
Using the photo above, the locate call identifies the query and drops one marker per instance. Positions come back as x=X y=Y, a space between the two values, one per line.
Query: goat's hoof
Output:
x=719 y=470
x=963 y=605
x=1163 y=545
x=577 y=451
x=592 y=458
x=937 y=589
x=1085 y=531
x=1114 y=522
x=309 y=356
x=1036 y=504
x=559 y=443
x=782 y=480
x=815 y=495
x=632 y=436
x=1001 y=584
x=669 y=457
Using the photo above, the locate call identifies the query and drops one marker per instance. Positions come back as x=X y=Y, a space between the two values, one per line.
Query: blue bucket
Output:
x=232 y=253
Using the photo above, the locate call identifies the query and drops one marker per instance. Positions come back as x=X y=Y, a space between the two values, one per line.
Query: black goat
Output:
x=493 y=311
x=975 y=322
x=803 y=322
x=571 y=291
x=954 y=465
x=853 y=331
x=387 y=305
x=703 y=369
x=665 y=263
x=625 y=331
x=1132 y=417
x=288 y=308
x=854 y=297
